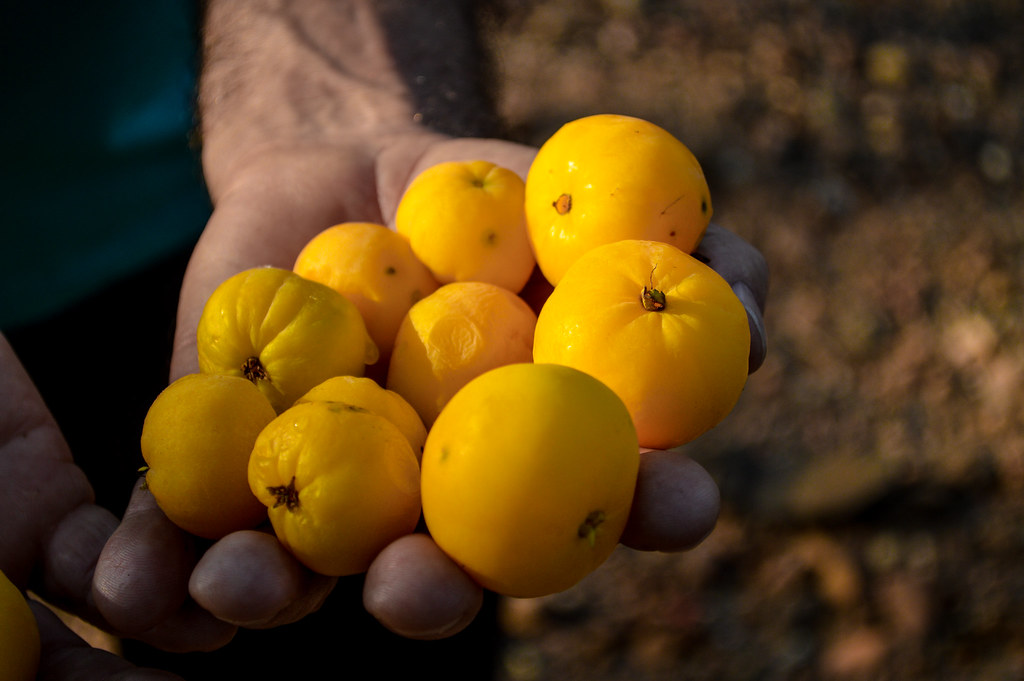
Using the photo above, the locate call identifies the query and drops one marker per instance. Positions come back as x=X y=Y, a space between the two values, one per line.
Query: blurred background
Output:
x=873 y=473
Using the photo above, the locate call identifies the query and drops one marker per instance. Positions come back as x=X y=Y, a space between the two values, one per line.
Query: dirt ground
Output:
x=872 y=475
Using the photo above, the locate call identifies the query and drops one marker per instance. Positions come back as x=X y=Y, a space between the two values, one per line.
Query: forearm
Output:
x=285 y=74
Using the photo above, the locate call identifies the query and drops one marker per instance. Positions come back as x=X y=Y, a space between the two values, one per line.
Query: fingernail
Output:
x=758 y=336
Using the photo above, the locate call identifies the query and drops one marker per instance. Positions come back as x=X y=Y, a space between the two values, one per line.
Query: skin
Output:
x=52 y=549
x=280 y=167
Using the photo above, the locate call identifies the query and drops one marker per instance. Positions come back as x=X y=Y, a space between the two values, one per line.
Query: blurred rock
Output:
x=857 y=654
x=838 y=487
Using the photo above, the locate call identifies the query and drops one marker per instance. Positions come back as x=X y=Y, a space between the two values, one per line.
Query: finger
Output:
x=69 y=559
x=141 y=582
x=758 y=334
x=142 y=574
x=416 y=591
x=189 y=629
x=249 y=579
x=65 y=655
x=676 y=503
x=735 y=259
x=38 y=479
x=746 y=270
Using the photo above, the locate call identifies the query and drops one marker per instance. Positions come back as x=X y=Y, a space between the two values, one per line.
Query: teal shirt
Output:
x=100 y=179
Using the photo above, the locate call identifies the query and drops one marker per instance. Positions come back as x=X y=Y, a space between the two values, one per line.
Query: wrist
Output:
x=285 y=76
x=280 y=75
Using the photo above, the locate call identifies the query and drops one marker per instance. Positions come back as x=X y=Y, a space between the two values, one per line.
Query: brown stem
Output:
x=652 y=299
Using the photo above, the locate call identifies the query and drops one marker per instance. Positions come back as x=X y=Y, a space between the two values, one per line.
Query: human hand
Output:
x=280 y=200
x=308 y=111
x=151 y=573
x=53 y=536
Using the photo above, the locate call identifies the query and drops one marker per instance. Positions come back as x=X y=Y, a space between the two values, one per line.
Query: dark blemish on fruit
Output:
x=669 y=206
x=588 y=528
x=338 y=407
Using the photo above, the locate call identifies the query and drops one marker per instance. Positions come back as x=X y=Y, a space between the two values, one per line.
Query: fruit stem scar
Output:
x=254 y=370
x=588 y=528
x=285 y=495
x=563 y=204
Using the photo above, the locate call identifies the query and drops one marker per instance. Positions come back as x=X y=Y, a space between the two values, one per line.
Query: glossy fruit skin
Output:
x=364 y=392
x=453 y=335
x=605 y=178
x=340 y=483
x=283 y=332
x=528 y=477
x=196 y=441
x=19 y=635
x=679 y=369
x=372 y=266
x=466 y=222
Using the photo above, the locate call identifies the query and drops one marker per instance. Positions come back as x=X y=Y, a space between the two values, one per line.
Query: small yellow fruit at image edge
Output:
x=19 y=635
x=372 y=266
x=465 y=221
x=339 y=482
x=657 y=326
x=528 y=477
x=605 y=178
x=283 y=332
x=452 y=336
x=196 y=441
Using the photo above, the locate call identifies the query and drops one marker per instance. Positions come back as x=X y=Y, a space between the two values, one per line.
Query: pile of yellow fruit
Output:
x=394 y=373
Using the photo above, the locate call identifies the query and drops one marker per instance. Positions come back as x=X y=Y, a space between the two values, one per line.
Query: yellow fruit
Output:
x=196 y=441
x=453 y=335
x=465 y=221
x=364 y=392
x=372 y=266
x=528 y=477
x=283 y=332
x=659 y=327
x=340 y=483
x=19 y=635
x=605 y=178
